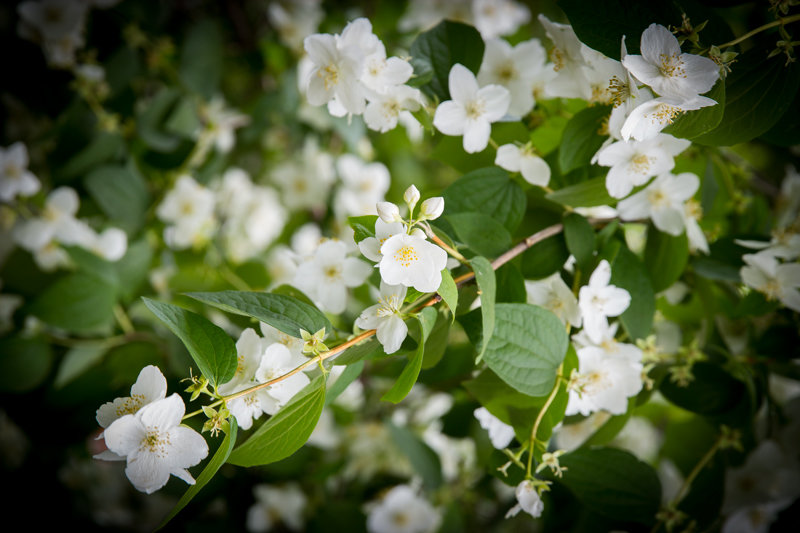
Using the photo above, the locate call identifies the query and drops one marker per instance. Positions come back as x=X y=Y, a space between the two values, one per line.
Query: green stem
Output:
x=540 y=417
x=779 y=22
x=124 y=322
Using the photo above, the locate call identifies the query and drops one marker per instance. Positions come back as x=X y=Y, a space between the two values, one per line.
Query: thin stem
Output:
x=493 y=143
x=540 y=417
x=232 y=278
x=450 y=250
x=779 y=22
x=124 y=322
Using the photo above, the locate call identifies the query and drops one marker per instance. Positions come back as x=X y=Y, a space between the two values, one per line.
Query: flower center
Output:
x=693 y=209
x=400 y=518
x=330 y=76
x=641 y=164
x=12 y=171
x=333 y=272
x=507 y=72
x=657 y=198
x=130 y=405
x=557 y=57
x=772 y=289
x=620 y=91
x=155 y=442
x=406 y=256
x=671 y=66
x=666 y=113
x=475 y=109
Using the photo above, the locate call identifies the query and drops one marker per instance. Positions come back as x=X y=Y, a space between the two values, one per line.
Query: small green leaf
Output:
x=363 y=226
x=579 y=235
x=78 y=360
x=422 y=458
x=449 y=292
x=437 y=342
x=286 y=431
x=410 y=373
x=349 y=375
x=489 y=191
x=280 y=311
x=582 y=138
x=92 y=264
x=628 y=272
x=613 y=483
x=589 y=193
x=545 y=257
x=210 y=347
x=133 y=268
x=487 y=286
x=665 y=257
x=528 y=345
x=481 y=233
x=201 y=60
x=434 y=52
x=24 y=363
x=220 y=456
x=366 y=349
x=121 y=193
x=78 y=302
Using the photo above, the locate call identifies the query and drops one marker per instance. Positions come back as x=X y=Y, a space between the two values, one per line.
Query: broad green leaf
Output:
x=422 y=458
x=712 y=392
x=220 y=457
x=183 y=120
x=449 y=292
x=208 y=344
x=362 y=226
x=628 y=272
x=545 y=257
x=528 y=345
x=436 y=345
x=510 y=284
x=78 y=360
x=489 y=191
x=481 y=233
x=121 y=193
x=786 y=132
x=695 y=123
x=546 y=138
x=286 y=431
x=579 y=236
x=410 y=373
x=582 y=138
x=758 y=93
x=349 y=375
x=89 y=263
x=665 y=257
x=282 y=312
x=589 y=193
x=487 y=288
x=613 y=483
x=78 y=302
x=434 y=52
x=201 y=60
x=133 y=268
x=24 y=363
x=104 y=147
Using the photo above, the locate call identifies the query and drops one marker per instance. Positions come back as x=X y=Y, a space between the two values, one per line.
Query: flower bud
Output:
x=411 y=196
x=432 y=208
x=388 y=212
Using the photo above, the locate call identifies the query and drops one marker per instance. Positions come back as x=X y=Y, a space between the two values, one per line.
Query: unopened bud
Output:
x=411 y=196
x=388 y=212
x=432 y=208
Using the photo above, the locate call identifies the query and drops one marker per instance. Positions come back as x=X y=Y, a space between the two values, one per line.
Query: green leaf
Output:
x=481 y=233
x=665 y=257
x=422 y=458
x=410 y=373
x=579 y=236
x=121 y=193
x=758 y=93
x=150 y=120
x=528 y=345
x=786 y=132
x=692 y=124
x=362 y=226
x=434 y=52
x=133 y=268
x=589 y=193
x=104 y=147
x=286 y=431
x=487 y=286
x=220 y=456
x=712 y=392
x=24 y=363
x=613 y=483
x=436 y=345
x=78 y=360
x=449 y=292
x=201 y=60
x=489 y=191
x=366 y=349
x=92 y=264
x=77 y=303
x=582 y=138
x=349 y=375
x=282 y=312
x=611 y=428
x=628 y=273
x=545 y=257
x=208 y=344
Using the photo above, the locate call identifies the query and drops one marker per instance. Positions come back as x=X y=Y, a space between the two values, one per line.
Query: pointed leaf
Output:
x=403 y=385
x=489 y=191
x=449 y=292
x=487 y=286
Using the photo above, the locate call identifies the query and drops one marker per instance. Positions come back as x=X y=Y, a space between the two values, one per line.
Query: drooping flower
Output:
x=385 y=317
x=528 y=500
x=662 y=201
x=778 y=281
x=15 y=178
x=554 y=295
x=155 y=445
x=402 y=511
x=412 y=261
x=647 y=119
x=471 y=110
x=514 y=158
x=500 y=433
x=598 y=300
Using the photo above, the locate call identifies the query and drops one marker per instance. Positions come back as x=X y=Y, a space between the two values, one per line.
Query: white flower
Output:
x=111 y=244
x=755 y=518
x=402 y=511
x=412 y=261
x=598 y=300
x=517 y=69
x=691 y=216
x=471 y=110
x=155 y=445
x=385 y=317
x=499 y=17
x=371 y=246
x=384 y=109
x=554 y=295
x=388 y=212
x=306 y=180
x=667 y=70
x=295 y=20
x=221 y=123
x=523 y=160
x=604 y=381
x=151 y=385
x=662 y=201
x=778 y=281
x=336 y=73
x=528 y=500
x=500 y=433
x=15 y=178
x=649 y=118
x=432 y=208
x=633 y=163
x=189 y=206
x=382 y=74
x=364 y=185
x=568 y=64
x=284 y=504
x=326 y=276
x=411 y=196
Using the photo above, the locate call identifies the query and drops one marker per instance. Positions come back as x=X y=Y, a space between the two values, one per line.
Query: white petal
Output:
x=462 y=84
x=476 y=136
x=450 y=118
